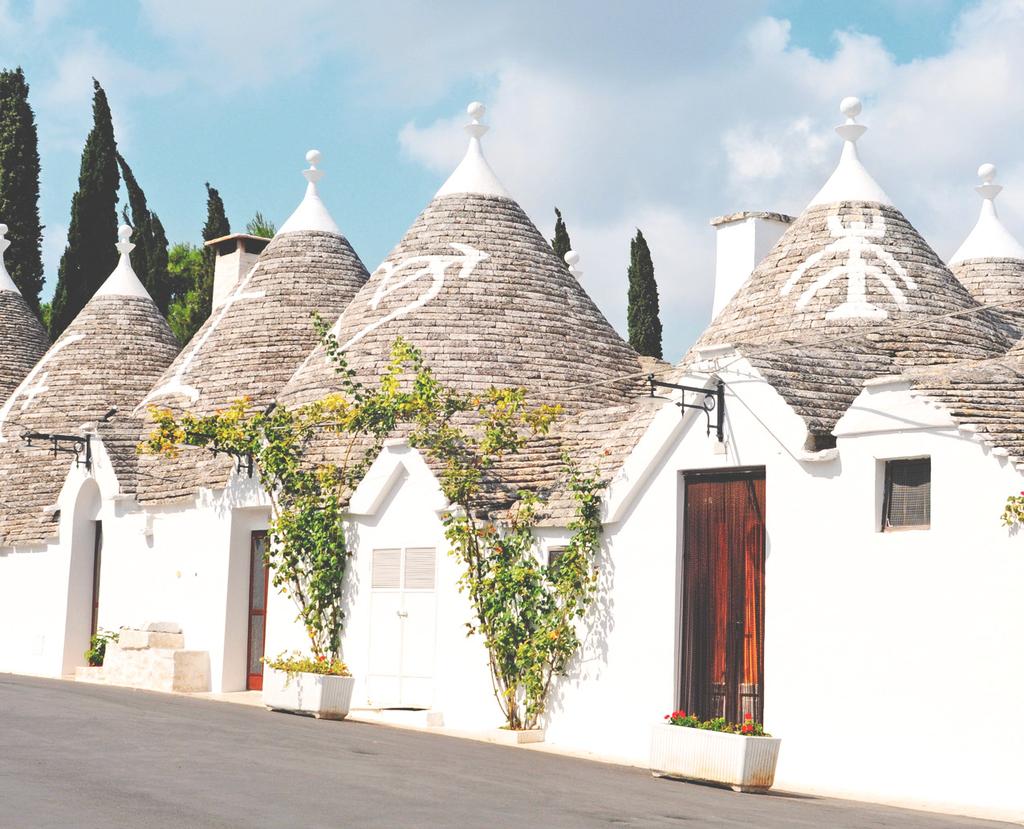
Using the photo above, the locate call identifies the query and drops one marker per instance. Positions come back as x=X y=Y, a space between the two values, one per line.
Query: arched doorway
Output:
x=83 y=576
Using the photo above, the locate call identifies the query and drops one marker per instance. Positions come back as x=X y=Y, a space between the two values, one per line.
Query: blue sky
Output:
x=657 y=114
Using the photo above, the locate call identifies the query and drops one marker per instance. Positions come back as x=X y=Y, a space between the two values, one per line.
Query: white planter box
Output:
x=317 y=695
x=747 y=764
x=507 y=737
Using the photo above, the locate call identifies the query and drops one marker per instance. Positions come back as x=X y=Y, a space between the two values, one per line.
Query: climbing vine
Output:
x=526 y=609
x=1013 y=511
x=308 y=551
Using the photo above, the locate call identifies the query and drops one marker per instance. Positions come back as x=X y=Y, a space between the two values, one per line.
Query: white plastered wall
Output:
x=46 y=589
x=397 y=506
x=187 y=563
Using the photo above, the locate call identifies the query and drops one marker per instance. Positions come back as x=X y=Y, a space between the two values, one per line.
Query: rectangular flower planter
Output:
x=746 y=764
x=315 y=695
x=507 y=737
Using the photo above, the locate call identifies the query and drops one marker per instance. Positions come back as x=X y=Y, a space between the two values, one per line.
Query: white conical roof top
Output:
x=6 y=283
x=989 y=239
x=850 y=181
x=311 y=214
x=474 y=174
x=123 y=281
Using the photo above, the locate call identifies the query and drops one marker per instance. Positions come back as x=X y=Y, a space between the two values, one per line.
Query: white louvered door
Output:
x=403 y=613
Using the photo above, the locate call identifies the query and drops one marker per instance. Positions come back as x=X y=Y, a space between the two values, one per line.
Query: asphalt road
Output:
x=88 y=756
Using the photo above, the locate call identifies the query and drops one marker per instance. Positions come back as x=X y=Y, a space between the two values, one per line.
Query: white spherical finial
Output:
x=987 y=173
x=124 y=233
x=850 y=106
x=3 y=229
x=313 y=157
x=572 y=258
x=476 y=110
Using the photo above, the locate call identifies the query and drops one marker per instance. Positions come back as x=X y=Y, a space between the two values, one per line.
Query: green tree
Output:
x=19 y=186
x=90 y=255
x=260 y=225
x=561 y=244
x=184 y=269
x=194 y=307
x=526 y=610
x=642 y=319
x=150 y=255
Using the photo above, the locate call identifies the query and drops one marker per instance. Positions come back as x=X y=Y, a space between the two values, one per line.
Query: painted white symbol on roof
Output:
x=29 y=388
x=176 y=383
x=853 y=240
x=398 y=275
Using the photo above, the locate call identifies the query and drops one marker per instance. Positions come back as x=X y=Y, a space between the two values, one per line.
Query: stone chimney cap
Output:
x=231 y=236
x=743 y=215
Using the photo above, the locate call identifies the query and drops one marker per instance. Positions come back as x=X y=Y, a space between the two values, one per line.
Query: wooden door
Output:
x=259 y=580
x=97 y=559
x=723 y=595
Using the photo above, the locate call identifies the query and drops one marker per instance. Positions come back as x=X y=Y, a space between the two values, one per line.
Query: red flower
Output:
x=668 y=716
x=681 y=713
x=747 y=728
x=748 y=716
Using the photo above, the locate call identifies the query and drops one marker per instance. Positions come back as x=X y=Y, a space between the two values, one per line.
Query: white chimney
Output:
x=236 y=254
x=741 y=241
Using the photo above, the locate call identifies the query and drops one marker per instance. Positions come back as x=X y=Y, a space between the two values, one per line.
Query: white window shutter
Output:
x=387 y=569
x=419 y=568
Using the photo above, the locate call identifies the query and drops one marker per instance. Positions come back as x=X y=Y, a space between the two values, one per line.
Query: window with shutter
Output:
x=419 y=568
x=387 y=569
x=908 y=494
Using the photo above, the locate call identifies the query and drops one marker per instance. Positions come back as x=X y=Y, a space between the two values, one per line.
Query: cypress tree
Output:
x=150 y=255
x=642 y=311
x=19 y=186
x=191 y=313
x=90 y=255
x=561 y=244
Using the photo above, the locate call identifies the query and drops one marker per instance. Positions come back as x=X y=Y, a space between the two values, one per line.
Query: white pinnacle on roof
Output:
x=474 y=174
x=311 y=214
x=850 y=181
x=123 y=281
x=572 y=259
x=990 y=239
x=6 y=283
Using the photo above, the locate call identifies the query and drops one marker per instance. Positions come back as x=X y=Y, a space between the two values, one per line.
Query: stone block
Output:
x=162 y=627
x=129 y=639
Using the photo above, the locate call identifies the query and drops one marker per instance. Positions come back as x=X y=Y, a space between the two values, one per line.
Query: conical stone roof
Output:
x=107 y=358
x=990 y=262
x=254 y=341
x=851 y=290
x=22 y=338
x=478 y=289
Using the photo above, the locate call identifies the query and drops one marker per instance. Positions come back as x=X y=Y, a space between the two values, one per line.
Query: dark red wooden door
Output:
x=259 y=579
x=723 y=595
x=97 y=560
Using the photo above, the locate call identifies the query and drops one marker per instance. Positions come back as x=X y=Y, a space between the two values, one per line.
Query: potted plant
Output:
x=98 y=647
x=320 y=686
x=739 y=755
